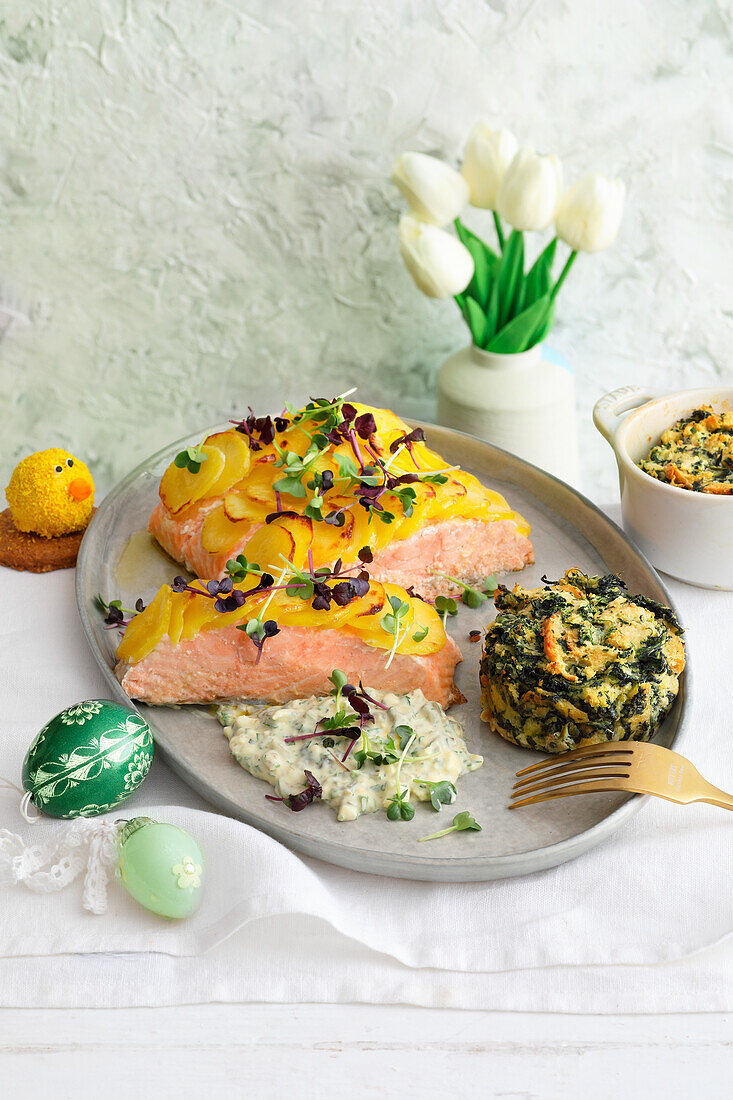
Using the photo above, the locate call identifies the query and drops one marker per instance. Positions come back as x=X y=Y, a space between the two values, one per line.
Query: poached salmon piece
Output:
x=467 y=549
x=258 y=639
x=358 y=478
x=220 y=666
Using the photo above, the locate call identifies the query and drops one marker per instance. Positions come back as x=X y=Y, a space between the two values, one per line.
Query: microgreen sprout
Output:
x=191 y=459
x=461 y=822
x=473 y=597
x=392 y=624
x=114 y=612
x=345 y=584
x=238 y=568
x=299 y=801
x=398 y=807
x=322 y=412
x=294 y=467
x=225 y=596
x=446 y=606
x=321 y=484
x=390 y=754
x=417 y=435
x=420 y=635
x=339 y=681
x=405 y=736
x=442 y=792
x=341 y=723
x=339 y=720
x=259 y=631
x=263 y=427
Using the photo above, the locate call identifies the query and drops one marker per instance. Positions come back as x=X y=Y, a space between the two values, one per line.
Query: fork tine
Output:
x=569 y=780
x=609 y=749
x=565 y=792
x=573 y=767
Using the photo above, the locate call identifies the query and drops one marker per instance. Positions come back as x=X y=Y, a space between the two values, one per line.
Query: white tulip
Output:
x=436 y=193
x=590 y=213
x=488 y=155
x=440 y=265
x=530 y=190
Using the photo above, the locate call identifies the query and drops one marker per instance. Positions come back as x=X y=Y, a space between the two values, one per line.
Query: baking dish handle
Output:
x=608 y=411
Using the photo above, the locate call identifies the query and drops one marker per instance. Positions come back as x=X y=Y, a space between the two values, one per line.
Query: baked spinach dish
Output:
x=577 y=662
x=695 y=453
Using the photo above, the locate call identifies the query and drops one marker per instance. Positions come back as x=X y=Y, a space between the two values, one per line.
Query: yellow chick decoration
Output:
x=51 y=493
x=51 y=498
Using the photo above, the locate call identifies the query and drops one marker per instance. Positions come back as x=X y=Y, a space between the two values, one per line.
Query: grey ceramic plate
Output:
x=566 y=530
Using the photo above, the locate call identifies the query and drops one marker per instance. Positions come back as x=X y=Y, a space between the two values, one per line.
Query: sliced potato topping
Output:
x=182 y=615
x=245 y=480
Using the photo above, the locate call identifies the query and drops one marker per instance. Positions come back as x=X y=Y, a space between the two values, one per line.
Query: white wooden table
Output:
x=268 y=1051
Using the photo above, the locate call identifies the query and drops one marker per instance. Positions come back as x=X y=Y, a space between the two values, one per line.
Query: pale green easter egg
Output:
x=161 y=866
x=88 y=759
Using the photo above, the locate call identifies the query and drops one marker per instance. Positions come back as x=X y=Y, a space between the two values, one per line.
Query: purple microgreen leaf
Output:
x=312 y=790
x=365 y=425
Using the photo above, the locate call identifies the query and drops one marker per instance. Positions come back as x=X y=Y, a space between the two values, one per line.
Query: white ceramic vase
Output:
x=524 y=403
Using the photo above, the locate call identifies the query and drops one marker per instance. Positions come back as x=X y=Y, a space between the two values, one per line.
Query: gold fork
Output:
x=616 y=766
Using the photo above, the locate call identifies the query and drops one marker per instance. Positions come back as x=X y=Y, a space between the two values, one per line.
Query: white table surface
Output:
x=264 y=1051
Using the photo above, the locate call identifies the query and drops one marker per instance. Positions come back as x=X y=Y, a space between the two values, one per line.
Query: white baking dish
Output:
x=686 y=534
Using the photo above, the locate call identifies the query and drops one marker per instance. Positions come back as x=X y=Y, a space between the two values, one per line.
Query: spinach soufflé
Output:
x=695 y=453
x=577 y=662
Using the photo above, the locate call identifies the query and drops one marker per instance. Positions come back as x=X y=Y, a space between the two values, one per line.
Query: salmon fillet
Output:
x=468 y=549
x=219 y=665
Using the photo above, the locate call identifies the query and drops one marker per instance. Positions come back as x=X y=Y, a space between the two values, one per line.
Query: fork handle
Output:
x=717 y=798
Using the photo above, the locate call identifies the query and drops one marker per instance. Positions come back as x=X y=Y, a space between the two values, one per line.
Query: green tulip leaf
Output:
x=477 y=322
x=510 y=274
x=520 y=333
x=537 y=282
x=544 y=327
x=485 y=262
x=492 y=310
x=462 y=299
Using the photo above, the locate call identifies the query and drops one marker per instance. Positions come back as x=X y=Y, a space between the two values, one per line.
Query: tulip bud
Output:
x=488 y=155
x=436 y=193
x=590 y=213
x=530 y=191
x=440 y=265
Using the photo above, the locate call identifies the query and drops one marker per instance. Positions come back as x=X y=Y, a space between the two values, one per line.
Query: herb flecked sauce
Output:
x=438 y=752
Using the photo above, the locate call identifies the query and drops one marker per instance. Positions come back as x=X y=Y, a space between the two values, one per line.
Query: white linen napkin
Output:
x=655 y=894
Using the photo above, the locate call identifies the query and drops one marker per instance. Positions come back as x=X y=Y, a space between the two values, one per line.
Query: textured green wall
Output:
x=194 y=211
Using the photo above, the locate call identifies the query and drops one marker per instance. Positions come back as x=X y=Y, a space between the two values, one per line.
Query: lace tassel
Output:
x=88 y=846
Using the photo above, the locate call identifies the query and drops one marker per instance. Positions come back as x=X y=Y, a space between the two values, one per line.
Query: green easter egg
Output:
x=161 y=866
x=88 y=759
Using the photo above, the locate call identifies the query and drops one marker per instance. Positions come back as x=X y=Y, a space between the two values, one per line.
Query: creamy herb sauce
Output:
x=438 y=752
